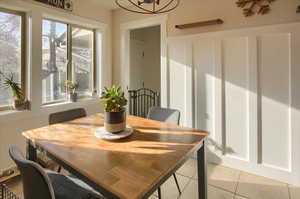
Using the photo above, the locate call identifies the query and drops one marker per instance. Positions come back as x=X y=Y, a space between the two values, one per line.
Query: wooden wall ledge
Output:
x=199 y=24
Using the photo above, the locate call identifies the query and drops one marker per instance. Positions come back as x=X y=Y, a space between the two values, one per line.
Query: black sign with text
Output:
x=63 y=4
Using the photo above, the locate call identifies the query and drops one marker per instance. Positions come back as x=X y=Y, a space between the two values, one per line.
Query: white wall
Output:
x=137 y=49
x=245 y=88
x=189 y=11
x=145 y=58
x=12 y=123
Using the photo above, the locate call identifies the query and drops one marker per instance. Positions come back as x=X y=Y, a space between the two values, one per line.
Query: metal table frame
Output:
x=201 y=162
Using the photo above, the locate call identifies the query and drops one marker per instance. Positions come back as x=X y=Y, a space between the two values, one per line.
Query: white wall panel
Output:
x=180 y=78
x=204 y=68
x=236 y=91
x=275 y=85
x=246 y=93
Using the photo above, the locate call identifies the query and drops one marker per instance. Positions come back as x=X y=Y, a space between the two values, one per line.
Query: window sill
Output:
x=12 y=112
x=80 y=101
x=12 y=115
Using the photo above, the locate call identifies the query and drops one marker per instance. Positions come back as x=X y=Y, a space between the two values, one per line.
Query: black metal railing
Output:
x=141 y=100
x=5 y=193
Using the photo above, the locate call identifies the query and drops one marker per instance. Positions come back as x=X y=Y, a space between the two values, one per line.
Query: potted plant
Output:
x=19 y=103
x=71 y=87
x=114 y=102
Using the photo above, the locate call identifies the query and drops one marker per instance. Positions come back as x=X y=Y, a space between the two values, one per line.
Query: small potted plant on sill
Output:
x=71 y=87
x=19 y=101
x=114 y=102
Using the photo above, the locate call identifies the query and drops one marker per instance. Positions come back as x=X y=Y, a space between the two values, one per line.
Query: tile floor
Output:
x=224 y=183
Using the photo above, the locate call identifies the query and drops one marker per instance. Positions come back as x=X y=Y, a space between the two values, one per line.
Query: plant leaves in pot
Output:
x=114 y=102
x=19 y=101
x=72 y=94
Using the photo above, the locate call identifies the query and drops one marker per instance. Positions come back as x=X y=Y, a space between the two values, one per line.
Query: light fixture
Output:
x=148 y=6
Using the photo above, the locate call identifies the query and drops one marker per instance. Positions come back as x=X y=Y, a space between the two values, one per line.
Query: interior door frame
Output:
x=125 y=52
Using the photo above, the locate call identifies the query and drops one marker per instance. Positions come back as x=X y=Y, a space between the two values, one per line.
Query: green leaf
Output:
x=113 y=99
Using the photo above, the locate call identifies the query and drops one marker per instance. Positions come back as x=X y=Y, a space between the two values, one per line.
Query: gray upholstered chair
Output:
x=39 y=183
x=170 y=116
x=65 y=116
x=55 y=118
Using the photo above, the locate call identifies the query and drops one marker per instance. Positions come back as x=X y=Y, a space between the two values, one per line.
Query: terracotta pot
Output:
x=115 y=122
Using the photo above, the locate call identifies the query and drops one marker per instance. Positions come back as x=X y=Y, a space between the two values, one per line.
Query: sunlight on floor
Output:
x=224 y=183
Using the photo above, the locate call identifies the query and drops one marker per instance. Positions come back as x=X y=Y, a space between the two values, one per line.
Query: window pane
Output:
x=10 y=52
x=82 y=58
x=55 y=60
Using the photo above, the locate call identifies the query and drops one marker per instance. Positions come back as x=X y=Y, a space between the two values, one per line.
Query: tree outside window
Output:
x=62 y=55
x=10 y=52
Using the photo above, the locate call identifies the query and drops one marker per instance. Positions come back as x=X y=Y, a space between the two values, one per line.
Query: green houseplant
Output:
x=114 y=103
x=71 y=87
x=19 y=103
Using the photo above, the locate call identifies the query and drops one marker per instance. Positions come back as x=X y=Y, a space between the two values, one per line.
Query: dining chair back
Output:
x=36 y=183
x=60 y=117
x=141 y=100
x=65 y=116
x=170 y=116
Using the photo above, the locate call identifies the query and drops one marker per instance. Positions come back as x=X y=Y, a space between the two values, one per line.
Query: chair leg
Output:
x=159 y=193
x=177 y=183
x=59 y=169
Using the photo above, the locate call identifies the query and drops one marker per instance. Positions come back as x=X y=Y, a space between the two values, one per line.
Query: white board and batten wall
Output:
x=243 y=86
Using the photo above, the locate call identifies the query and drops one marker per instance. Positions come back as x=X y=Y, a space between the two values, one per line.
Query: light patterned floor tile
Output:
x=256 y=187
x=169 y=188
x=189 y=169
x=222 y=177
x=153 y=197
x=239 y=197
x=191 y=192
x=294 y=191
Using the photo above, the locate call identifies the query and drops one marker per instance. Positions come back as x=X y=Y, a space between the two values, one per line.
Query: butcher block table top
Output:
x=128 y=168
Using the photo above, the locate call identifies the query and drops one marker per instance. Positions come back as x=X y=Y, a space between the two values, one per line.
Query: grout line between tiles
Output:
x=238 y=182
x=185 y=187
x=221 y=188
x=184 y=175
x=289 y=191
x=241 y=196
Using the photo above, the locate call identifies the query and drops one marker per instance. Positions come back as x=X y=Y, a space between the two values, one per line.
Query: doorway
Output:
x=145 y=59
x=126 y=29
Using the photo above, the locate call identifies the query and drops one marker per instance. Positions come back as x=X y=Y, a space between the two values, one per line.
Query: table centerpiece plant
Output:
x=114 y=103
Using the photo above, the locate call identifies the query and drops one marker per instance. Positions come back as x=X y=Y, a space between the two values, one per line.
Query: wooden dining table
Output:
x=129 y=168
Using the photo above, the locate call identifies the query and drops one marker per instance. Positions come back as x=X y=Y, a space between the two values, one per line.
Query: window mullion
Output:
x=95 y=72
x=70 y=62
x=23 y=55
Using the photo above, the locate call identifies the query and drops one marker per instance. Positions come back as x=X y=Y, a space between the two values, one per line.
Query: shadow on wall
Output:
x=211 y=144
x=241 y=84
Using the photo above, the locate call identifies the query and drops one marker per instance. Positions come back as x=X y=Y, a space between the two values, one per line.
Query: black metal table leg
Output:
x=202 y=178
x=31 y=151
x=159 y=193
x=177 y=184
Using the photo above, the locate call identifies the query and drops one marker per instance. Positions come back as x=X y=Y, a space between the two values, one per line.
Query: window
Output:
x=82 y=59
x=68 y=54
x=55 y=61
x=11 y=52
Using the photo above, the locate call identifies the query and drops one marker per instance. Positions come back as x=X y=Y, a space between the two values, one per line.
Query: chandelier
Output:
x=148 y=6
